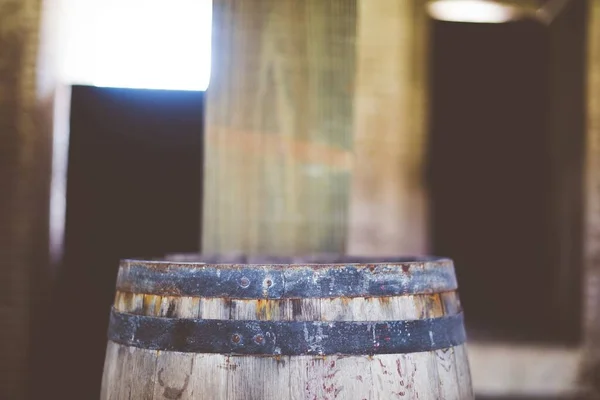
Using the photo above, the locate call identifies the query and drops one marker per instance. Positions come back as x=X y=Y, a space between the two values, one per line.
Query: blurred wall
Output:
x=135 y=160
x=26 y=96
x=506 y=167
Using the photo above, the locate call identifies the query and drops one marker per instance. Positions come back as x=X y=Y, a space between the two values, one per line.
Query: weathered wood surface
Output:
x=439 y=374
x=315 y=127
x=278 y=126
x=388 y=201
x=590 y=373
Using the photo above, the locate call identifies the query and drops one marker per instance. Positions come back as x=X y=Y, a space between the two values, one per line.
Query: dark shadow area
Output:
x=134 y=189
x=494 y=171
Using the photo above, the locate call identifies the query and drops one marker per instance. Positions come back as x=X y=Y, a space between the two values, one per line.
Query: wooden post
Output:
x=591 y=280
x=306 y=99
x=279 y=126
x=25 y=153
x=388 y=206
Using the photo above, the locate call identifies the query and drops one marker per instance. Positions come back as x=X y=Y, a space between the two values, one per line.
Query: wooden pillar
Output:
x=306 y=99
x=25 y=150
x=388 y=206
x=591 y=277
x=279 y=126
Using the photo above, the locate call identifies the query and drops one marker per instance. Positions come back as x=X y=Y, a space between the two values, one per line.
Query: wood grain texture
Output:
x=307 y=382
x=316 y=126
x=174 y=371
x=215 y=308
x=258 y=378
x=135 y=373
x=109 y=377
x=388 y=202
x=173 y=375
x=463 y=372
x=306 y=371
x=209 y=375
x=440 y=374
x=143 y=368
x=445 y=360
x=520 y=370
x=124 y=372
x=130 y=372
x=404 y=376
x=278 y=126
x=409 y=307
x=590 y=370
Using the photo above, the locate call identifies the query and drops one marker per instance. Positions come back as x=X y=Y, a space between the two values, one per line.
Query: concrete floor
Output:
x=523 y=372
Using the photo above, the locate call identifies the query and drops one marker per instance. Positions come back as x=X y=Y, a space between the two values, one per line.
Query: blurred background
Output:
x=461 y=128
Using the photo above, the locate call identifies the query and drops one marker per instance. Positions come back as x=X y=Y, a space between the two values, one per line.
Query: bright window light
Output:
x=475 y=11
x=153 y=44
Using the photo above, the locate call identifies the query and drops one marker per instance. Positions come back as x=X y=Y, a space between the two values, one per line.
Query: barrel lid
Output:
x=274 y=277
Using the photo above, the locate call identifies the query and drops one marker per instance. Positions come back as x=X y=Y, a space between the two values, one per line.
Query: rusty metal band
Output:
x=281 y=282
x=286 y=338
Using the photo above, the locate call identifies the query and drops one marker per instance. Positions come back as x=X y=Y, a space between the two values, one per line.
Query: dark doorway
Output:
x=496 y=171
x=134 y=190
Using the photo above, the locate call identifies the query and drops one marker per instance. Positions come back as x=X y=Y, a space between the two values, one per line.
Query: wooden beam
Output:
x=388 y=203
x=279 y=126
x=306 y=99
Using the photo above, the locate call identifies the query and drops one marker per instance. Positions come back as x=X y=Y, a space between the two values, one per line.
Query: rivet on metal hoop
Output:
x=244 y=282
x=259 y=339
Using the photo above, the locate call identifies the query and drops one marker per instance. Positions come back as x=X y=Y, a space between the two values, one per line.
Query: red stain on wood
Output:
x=264 y=144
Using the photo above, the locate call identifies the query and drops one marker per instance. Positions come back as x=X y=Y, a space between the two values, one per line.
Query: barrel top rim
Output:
x=296 y=262
x=277 y=279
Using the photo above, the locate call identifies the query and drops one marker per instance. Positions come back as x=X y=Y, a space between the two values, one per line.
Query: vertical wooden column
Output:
x=315 y=126
x=279 y=126
x=388 y=206
x=25 y=149
x=591 y=276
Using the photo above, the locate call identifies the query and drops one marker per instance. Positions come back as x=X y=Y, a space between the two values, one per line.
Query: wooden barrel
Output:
x=349 y=329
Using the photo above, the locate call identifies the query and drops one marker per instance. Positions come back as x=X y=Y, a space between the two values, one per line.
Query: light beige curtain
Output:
x=25 y=154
